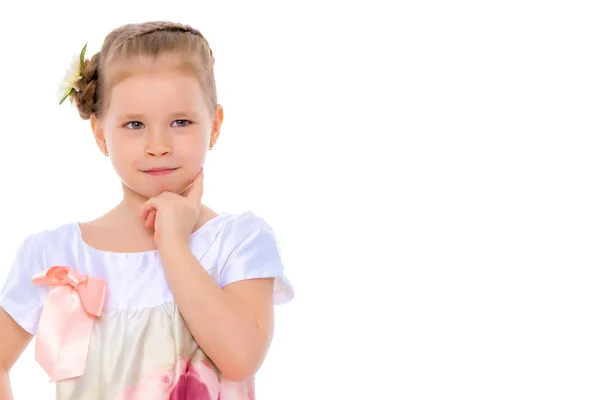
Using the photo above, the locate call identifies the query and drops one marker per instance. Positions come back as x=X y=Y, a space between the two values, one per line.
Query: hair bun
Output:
x=85 y=95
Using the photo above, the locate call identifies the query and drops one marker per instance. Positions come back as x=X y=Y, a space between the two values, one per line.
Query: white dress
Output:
x=140 y=347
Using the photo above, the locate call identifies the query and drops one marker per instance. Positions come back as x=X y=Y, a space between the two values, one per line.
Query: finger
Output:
x=150 y=221
x=147 y=207
x=153 y=220
x=144 y=211
x=197 y=185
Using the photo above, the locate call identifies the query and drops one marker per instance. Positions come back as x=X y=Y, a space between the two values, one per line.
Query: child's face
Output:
x=157 y=130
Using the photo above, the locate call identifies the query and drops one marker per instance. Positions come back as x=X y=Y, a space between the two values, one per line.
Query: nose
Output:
x=158 y=144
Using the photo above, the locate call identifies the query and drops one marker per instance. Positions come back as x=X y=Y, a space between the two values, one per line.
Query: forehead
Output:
x=120 y=67
x=166 y=81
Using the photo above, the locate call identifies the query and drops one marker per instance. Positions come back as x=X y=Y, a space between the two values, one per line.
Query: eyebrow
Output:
x=188 y=114
x=130 y=117
x=179 y=114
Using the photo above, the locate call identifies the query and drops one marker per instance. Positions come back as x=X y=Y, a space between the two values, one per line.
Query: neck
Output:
x=127 y=211
x=132 y=201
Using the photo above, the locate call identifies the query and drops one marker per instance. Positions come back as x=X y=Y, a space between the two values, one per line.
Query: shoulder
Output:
x=240 y=224
x=41 y=241
x=247 y=238
x=40 y=248
x=237 y=229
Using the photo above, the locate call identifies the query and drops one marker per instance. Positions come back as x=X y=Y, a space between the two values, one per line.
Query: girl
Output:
x=161 y=297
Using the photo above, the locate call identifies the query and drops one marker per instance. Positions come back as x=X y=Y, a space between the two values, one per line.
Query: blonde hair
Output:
x=136 y=41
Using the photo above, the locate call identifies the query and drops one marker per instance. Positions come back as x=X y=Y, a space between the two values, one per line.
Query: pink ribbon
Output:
x=65 y=327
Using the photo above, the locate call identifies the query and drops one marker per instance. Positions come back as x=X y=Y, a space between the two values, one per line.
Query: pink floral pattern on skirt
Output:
x=188 y=381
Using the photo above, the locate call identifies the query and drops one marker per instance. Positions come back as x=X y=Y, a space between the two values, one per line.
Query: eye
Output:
x=135 y=125
x=181 y=122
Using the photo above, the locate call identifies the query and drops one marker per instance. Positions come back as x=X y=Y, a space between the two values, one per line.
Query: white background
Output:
x=430 y=168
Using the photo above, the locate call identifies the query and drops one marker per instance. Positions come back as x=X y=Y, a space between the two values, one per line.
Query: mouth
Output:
x=159 y=171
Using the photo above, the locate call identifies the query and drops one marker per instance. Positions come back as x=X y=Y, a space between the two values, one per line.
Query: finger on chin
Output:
x=196 y=188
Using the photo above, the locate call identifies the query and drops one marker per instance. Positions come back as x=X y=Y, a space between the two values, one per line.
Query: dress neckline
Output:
x=154 y=252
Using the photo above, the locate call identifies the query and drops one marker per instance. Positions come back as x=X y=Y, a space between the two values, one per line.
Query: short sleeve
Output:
x=21 y=299
x=253 y=252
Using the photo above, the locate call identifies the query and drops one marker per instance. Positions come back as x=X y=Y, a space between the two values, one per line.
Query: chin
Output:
x=153 y=190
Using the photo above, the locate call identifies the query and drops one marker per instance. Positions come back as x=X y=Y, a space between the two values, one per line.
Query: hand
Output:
x=174 y=216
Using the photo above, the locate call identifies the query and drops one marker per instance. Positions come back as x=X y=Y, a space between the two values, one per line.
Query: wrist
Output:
x=173 y=247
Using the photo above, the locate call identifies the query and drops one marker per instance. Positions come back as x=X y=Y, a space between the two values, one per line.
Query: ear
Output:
x=98 y=134
x=216 y=125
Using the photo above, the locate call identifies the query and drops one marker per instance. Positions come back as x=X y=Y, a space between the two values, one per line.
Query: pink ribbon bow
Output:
x=65 y=327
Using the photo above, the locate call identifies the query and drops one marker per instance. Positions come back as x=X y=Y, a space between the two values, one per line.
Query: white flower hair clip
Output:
x=74 y=74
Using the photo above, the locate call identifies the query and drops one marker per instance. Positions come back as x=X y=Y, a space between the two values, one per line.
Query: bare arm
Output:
x=13 y=341
x=240 y=316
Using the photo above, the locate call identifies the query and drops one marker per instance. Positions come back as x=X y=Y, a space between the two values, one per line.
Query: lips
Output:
x=160 y=171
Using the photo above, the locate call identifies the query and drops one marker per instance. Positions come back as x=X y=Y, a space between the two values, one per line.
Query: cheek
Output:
x=123 y=159
x=194 y=153
x=196 y=159
x=120 y=164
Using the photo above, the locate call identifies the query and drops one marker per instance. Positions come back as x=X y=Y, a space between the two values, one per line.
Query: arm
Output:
x=13 y=341
x=233 y=325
